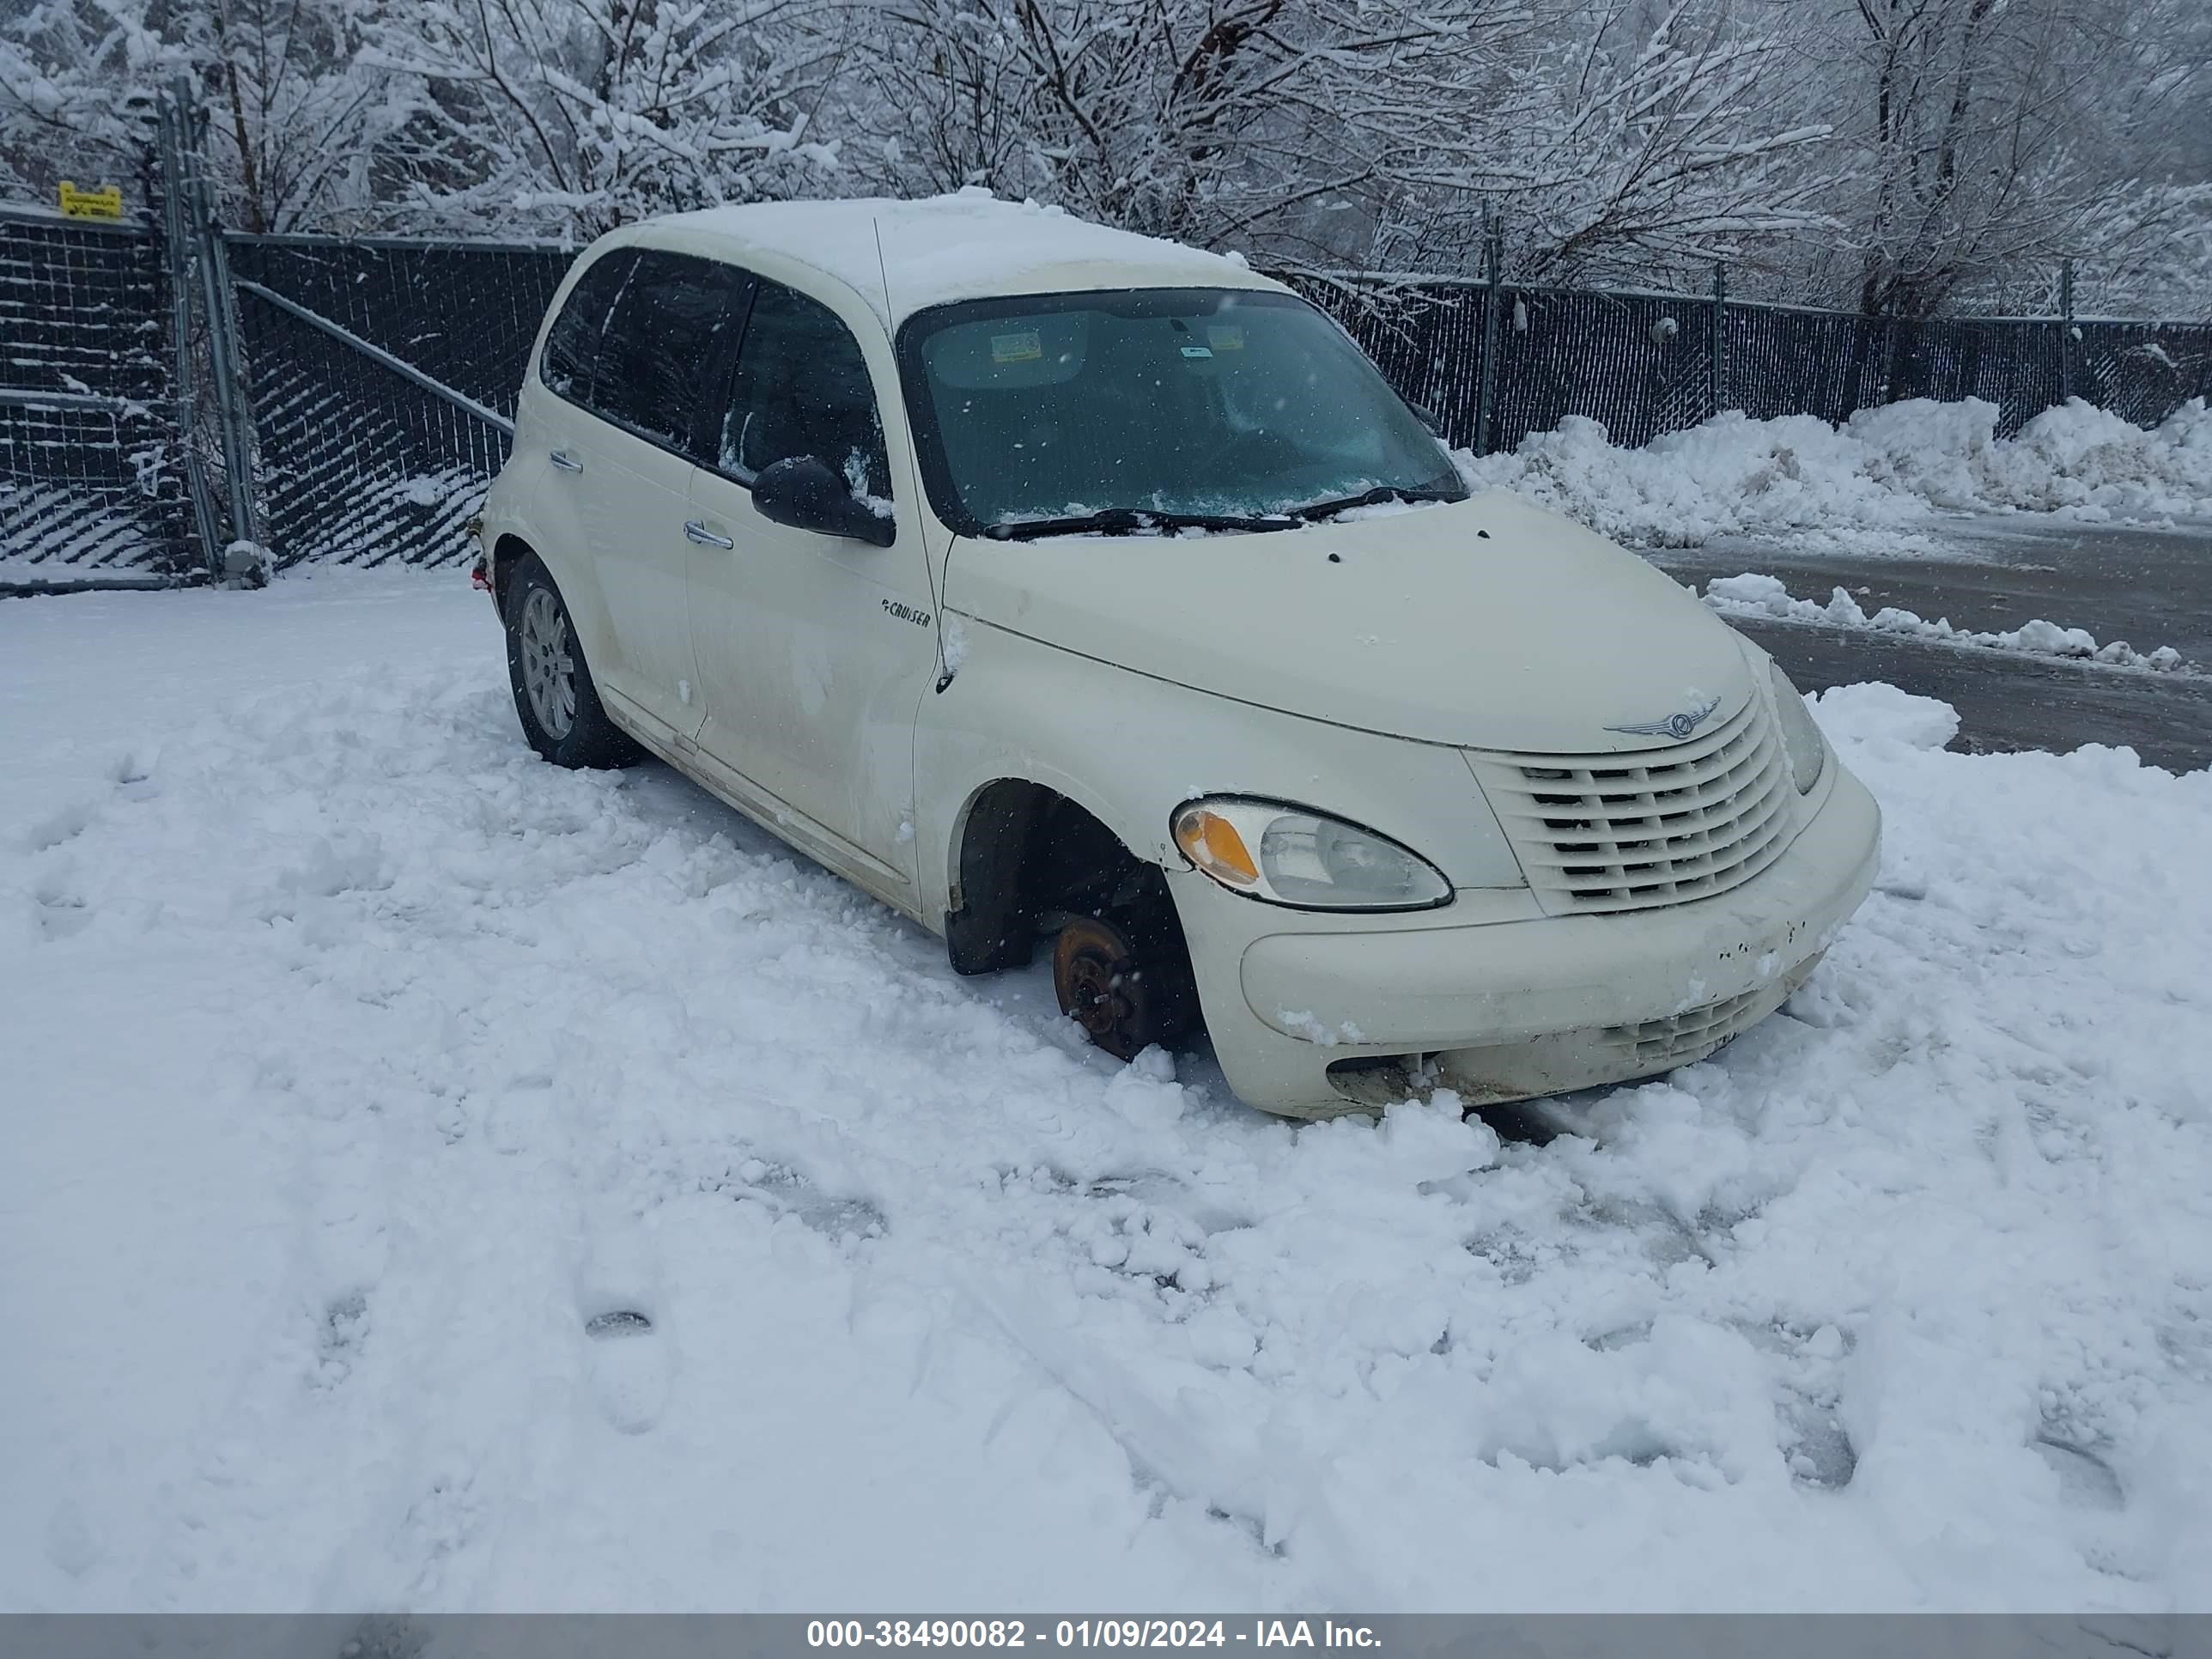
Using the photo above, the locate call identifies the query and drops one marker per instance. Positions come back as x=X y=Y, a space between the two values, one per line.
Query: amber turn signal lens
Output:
x=1210 y=841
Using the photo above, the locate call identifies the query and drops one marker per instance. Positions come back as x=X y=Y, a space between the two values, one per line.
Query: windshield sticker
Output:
x=1225 y=336
x=1022 y=348
x=1197 y=351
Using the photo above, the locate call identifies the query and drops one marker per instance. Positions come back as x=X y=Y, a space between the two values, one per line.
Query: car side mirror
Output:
x=1429 y=418
x=804 y=493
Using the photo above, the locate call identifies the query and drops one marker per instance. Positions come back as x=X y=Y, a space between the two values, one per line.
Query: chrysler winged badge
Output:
x=1677 y=725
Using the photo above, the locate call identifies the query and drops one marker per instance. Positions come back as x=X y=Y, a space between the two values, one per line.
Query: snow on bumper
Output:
x=1524 y=1007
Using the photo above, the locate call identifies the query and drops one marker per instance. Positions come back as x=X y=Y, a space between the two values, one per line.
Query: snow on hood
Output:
x=942 y=248
x=1488 y=623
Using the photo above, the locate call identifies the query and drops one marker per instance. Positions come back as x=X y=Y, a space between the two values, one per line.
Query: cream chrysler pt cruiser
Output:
x=1078 y=593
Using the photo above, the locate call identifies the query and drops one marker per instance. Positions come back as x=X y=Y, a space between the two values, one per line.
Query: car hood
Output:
x=1486 y=624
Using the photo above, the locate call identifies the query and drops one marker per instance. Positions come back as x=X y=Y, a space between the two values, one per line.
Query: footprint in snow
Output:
x=72 y=1543
x=629 y=1369
x=2084 y=1479
x=630 y=1361
x=61 y=914
x=66 y=825
x=133 y=778
x=520 y=1116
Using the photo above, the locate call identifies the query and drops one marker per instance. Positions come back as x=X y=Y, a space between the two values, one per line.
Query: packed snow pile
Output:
x=435 y=1179
x=1752 y=594
x=1880 y=720
x=1886 y=473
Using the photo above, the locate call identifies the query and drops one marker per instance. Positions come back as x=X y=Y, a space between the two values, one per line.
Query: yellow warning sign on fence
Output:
x=105 y=203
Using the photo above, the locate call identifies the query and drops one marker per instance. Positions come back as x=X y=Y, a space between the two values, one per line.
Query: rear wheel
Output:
x=554 y=694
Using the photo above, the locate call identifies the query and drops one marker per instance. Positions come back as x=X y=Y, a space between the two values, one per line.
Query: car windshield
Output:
x=1155 y=409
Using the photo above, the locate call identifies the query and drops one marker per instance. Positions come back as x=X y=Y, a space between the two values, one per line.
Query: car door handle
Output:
x=566 y=462
x=706 y=537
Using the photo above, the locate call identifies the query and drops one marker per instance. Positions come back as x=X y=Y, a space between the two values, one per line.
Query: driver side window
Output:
x=802 y=388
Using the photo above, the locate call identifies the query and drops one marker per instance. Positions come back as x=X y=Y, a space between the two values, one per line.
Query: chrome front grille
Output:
x=1650 y=827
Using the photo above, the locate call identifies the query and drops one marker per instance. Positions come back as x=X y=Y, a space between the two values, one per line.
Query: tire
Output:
x=559 y=705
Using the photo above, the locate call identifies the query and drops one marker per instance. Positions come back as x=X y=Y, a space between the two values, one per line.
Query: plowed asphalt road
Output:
x=2149 y=588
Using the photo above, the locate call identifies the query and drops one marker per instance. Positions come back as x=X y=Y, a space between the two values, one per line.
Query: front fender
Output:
x=1129 y=749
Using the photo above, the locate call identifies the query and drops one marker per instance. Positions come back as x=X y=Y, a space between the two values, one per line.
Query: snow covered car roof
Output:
x=944 y=249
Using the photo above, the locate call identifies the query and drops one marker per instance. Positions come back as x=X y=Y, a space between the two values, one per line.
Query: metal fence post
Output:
x=222 y=335
x=2065 y=330
x=1493 y=262
x=184 y=400
x=1716 y=373
x=230 y=398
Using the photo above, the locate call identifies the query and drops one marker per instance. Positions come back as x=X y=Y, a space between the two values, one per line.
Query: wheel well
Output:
x=506 y=557
x=1028 y=855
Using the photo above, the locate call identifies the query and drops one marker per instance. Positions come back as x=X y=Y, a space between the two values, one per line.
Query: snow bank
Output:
x=1752 y=594
x=1886 y=473
x=1884 y=718
x=435 y=1179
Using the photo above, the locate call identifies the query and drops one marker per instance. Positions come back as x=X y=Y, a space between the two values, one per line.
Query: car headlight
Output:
x=1801 y=738
x=1287 y=855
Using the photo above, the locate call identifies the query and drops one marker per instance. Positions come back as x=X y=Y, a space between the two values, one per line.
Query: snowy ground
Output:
x=358 y=1060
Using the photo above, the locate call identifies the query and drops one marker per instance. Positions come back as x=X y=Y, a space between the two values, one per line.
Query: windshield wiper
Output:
x=1134 y=521
x=1375 y=496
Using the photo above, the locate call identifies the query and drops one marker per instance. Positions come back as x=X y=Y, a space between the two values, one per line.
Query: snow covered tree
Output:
x=292 y=114
x=1225 y=123
x=1614 y=138
x=575 y=115
x=297 y=113
x=1994 y=138
x=77 y=79
x=1899 y=155
x=1620 y=142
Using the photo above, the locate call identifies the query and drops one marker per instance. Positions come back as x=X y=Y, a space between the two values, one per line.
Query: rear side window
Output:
x=664 y=344
x=572 y=347
x=802 y=388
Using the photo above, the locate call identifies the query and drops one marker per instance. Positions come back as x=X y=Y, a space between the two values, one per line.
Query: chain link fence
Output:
x=88 y=457
x=384 y=377
x=1643 y=364
x=364 y=390
x=1789 y=359
x=1638 y=364
x=2140 y=371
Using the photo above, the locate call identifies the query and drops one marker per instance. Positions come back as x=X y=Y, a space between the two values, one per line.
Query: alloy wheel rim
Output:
x=549 y=667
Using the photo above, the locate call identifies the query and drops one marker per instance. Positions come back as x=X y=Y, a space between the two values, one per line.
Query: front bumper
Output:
x=1343 y=1016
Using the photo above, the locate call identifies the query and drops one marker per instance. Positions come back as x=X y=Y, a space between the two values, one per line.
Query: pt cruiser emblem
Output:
x=1676 y=726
